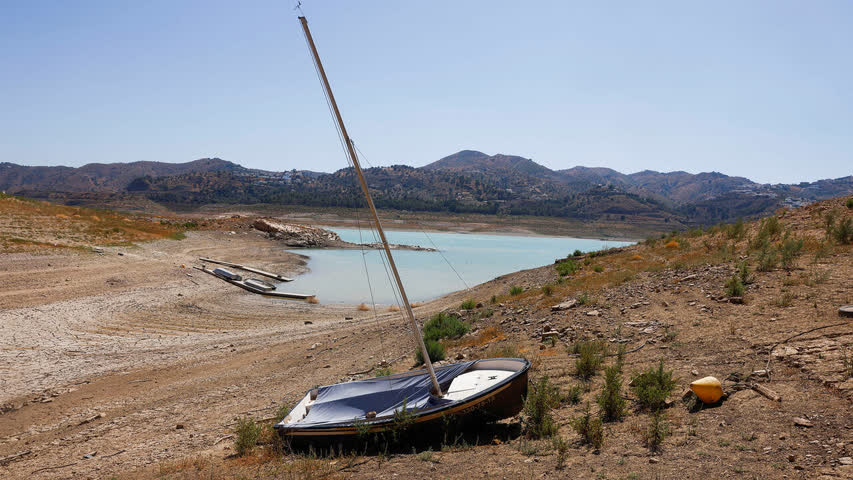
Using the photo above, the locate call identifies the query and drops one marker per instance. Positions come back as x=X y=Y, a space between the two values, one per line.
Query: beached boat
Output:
x=227 y=274
x=488 y=389
x=252 y=284
x=259 y=284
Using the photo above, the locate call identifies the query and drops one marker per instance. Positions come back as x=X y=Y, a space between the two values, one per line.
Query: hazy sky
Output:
x=762 y=89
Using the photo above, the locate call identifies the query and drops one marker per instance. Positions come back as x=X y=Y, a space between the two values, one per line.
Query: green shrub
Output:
x=785 y=300
x=589 y=428
x=515 y=290
x=770 y=227
x=843 y=232
x=246 y=435
x=652 y=387
x=561 y=446
x=598 y=268
x=435 y=351
x=610 y=400
x=443 y=325
x=734 y=287
x=383 y=372
x=578 y=253
x=573 y=396
x=768 y=258
x=547 y=290
x=469 y=304
x=584 y=299
x=542 y=397
x=736 y=230
x=829 y=221
x=494 y=299
x=849 y=204
x=791 y=249
x=658 y=430
x=589 y=358
x=743 y=273
x=566 y=267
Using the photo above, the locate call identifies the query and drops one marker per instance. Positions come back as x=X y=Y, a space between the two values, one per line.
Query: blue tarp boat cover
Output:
x=346 y=402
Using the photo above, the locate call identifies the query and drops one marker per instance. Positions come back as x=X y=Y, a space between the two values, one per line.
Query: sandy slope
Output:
x=135 y=339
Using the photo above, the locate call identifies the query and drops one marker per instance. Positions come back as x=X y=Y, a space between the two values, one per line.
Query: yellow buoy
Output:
x=708 y=389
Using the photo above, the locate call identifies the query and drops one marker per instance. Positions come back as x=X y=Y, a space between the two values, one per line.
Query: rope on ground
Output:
x=53 y=468
x=770 y=353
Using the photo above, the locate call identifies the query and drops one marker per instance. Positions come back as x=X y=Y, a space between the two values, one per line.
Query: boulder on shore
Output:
x=295 y=235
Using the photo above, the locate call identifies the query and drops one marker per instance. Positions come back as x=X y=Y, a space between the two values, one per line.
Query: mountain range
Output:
x=466 y=181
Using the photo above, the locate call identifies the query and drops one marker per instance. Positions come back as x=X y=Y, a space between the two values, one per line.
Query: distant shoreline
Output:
x=511 y=233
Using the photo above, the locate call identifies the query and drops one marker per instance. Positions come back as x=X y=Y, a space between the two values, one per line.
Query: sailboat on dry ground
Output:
x=489 y=389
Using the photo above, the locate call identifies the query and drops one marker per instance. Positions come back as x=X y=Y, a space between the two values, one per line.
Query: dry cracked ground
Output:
x=125 y=367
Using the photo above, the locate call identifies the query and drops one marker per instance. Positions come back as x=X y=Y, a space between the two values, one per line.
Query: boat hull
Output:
x=503 y=400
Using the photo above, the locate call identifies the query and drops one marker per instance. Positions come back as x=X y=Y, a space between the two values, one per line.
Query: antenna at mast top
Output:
x=299 y=7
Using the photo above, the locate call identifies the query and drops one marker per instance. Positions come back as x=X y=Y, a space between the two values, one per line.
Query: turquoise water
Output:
x=337 y=276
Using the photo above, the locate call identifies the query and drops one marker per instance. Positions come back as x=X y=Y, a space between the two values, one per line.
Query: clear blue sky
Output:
x=762 y=89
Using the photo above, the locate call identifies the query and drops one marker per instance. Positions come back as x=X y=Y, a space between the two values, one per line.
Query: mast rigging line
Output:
x=421 y=227
x=351 y=151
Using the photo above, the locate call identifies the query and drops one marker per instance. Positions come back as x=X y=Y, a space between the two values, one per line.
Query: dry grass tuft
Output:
x=393 y=308
x=312 y=300
x=362 y=308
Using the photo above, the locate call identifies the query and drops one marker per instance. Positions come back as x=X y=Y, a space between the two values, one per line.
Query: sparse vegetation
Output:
x=515 y=290
x=561 y=446
x=444 y=325
x=590 y=428
x=785 y=300
x=567 y=267
x=547 y=289
x=435 y=350
x=468 y=304
x=542 y=397
x=590 y=357
x=791 y=249
x=598 y=269
x=657 y=431
x=669 y=335
x=578 y=253
x=426 y=455
x=573 y=396
x=734 y=287
x=610 y=400
x=383 y=372
x=735 y=231
x=653 y=387
x=768 y=258
x=843 y=232
x=849 y=203
x=746 y=277
x=246 y=435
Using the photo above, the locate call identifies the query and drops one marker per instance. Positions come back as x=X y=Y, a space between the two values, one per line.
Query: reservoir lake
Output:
x=338 y=276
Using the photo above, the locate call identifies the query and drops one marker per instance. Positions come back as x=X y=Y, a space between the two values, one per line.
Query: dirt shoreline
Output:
x=83 y=335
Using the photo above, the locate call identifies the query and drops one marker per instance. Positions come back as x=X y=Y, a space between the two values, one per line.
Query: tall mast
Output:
x=351 y=152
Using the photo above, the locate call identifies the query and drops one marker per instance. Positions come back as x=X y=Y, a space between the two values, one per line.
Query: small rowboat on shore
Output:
x=259 y=284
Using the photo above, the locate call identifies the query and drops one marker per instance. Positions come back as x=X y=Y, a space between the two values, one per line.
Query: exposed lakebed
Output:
x=338 y=276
